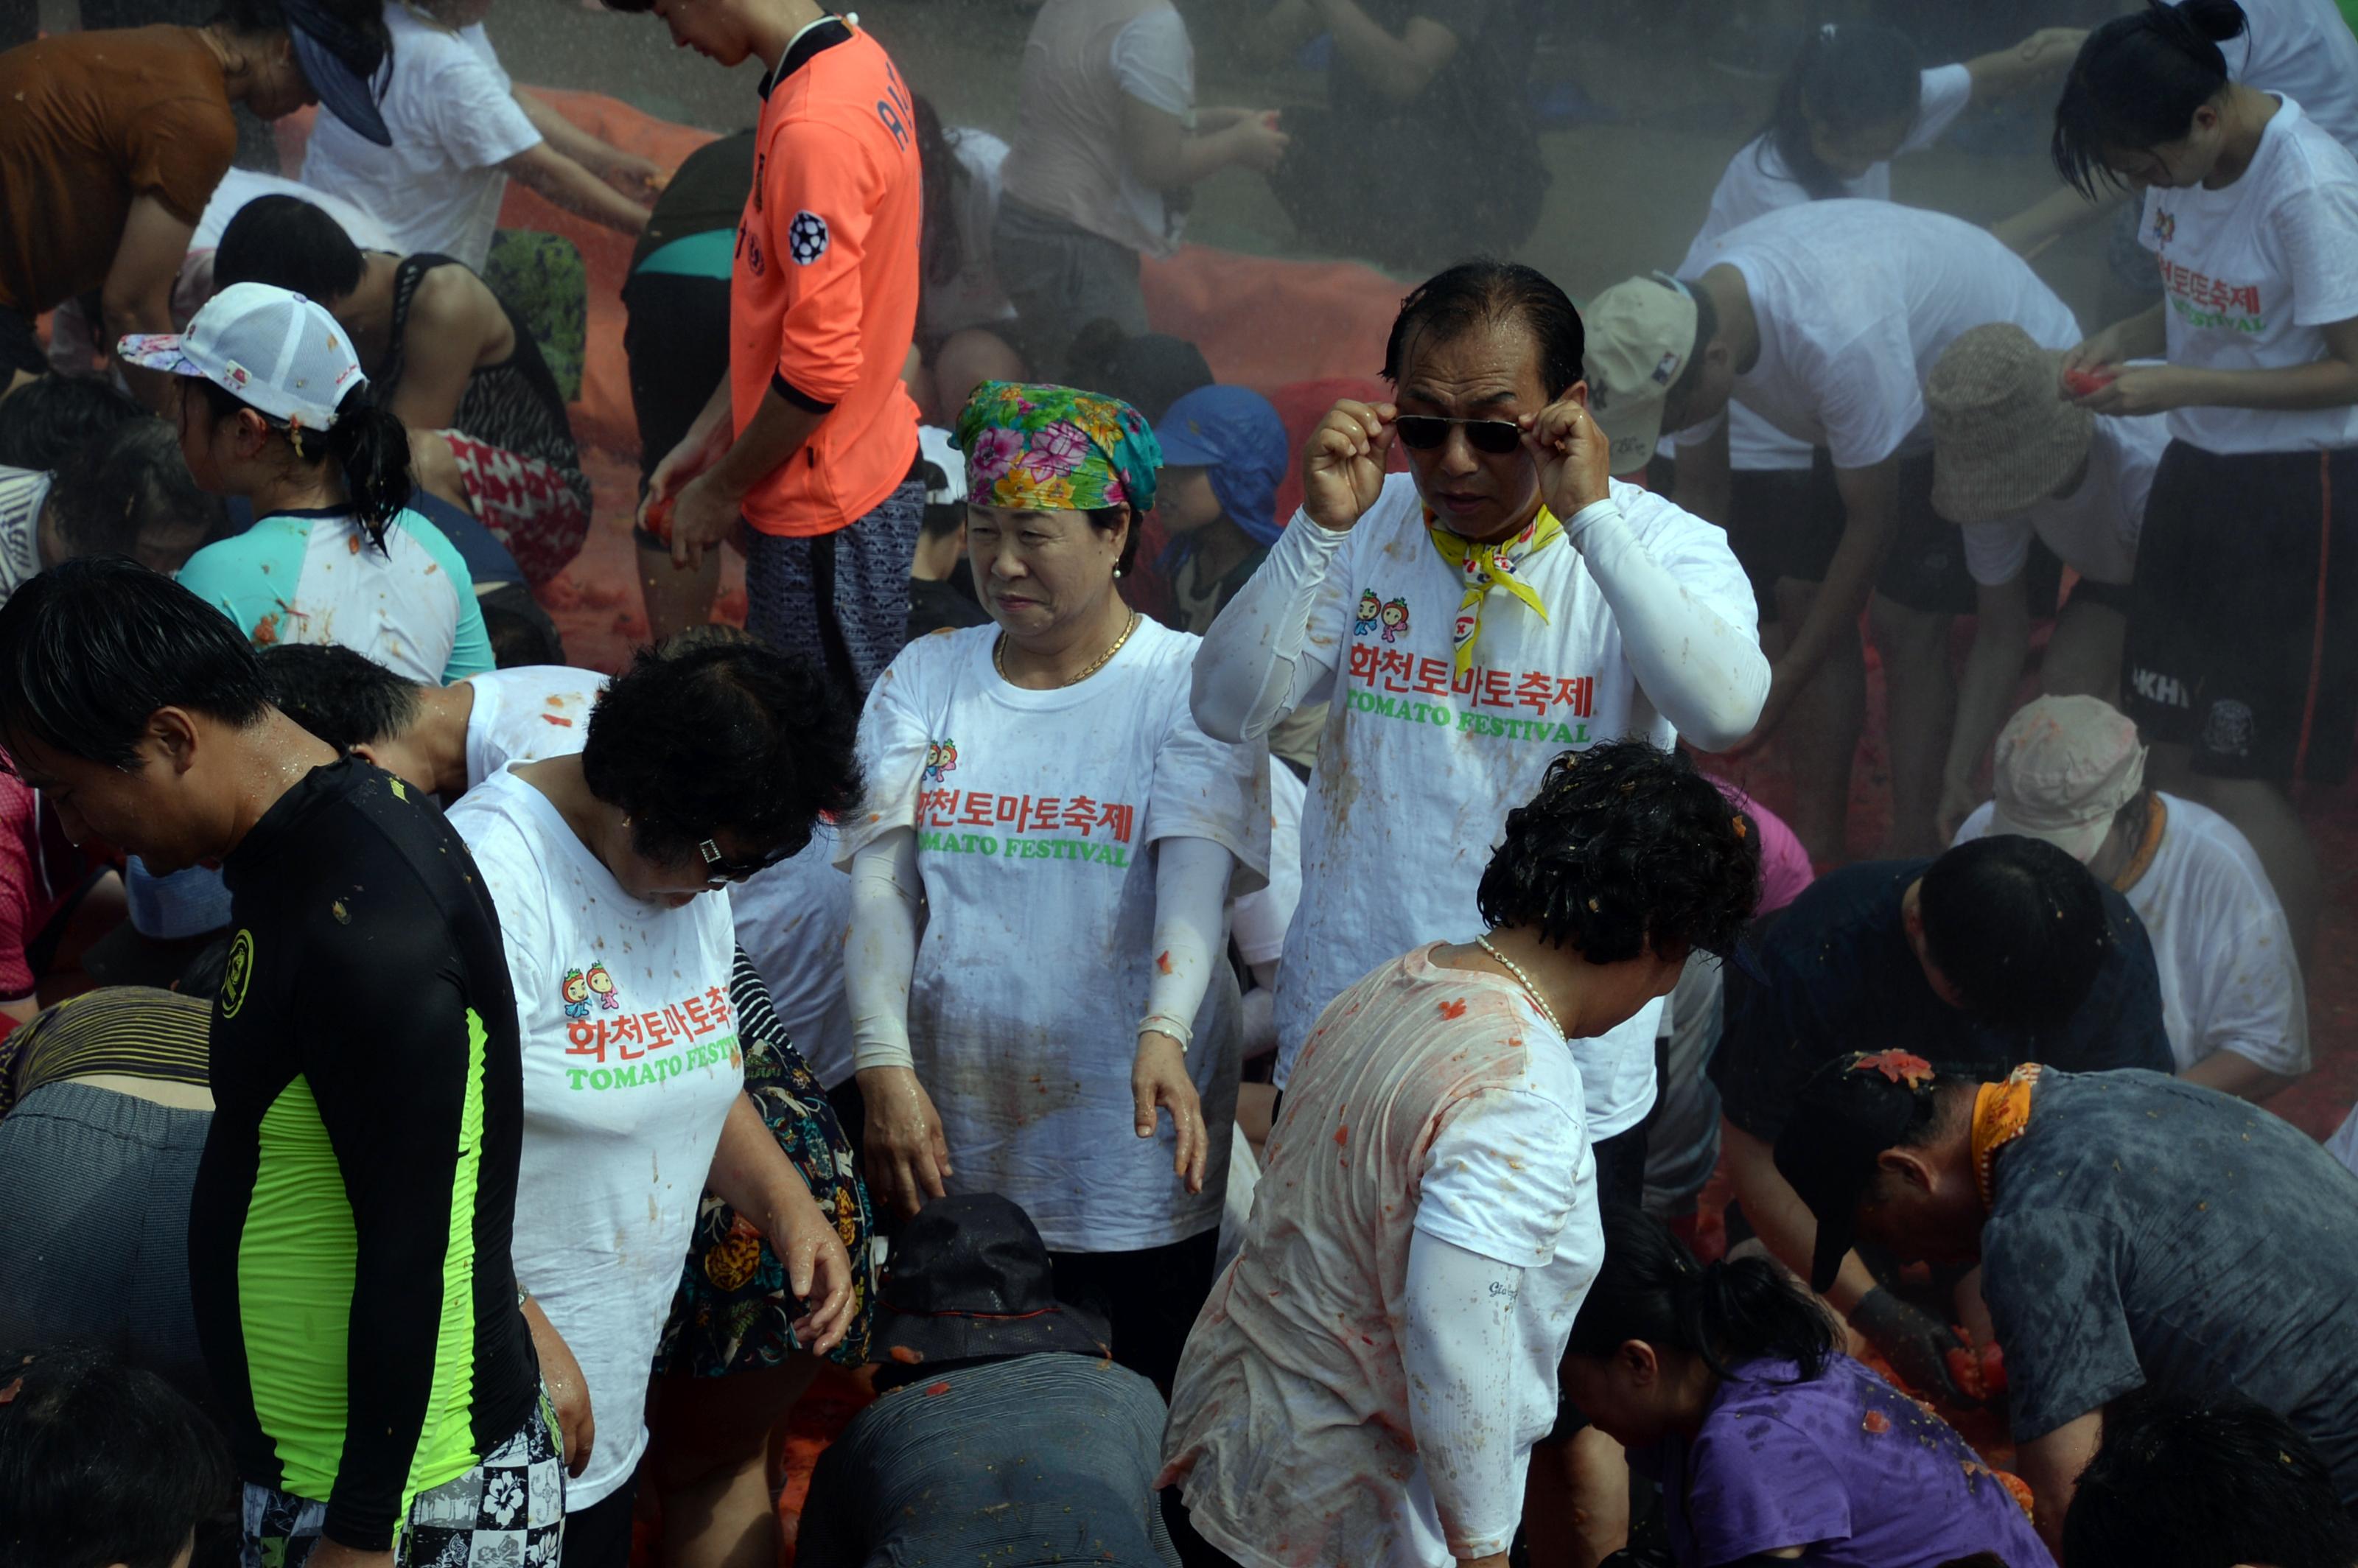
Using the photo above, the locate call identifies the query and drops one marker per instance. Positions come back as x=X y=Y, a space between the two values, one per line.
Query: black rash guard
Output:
x=348 y=1236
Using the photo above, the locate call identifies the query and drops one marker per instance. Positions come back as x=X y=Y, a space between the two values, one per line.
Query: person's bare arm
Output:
x=1397 y=68
x=641 y=179
x=137 y=294
x=2328 y=383
x=1870 y=498
x=2061 y=213
x=551 y=174
x=2231 y=1072
x=1165 y=154
x=451 y=321
x=22 y=1009
x=708 y=505
x=2045 y=54
x=2050 y=1467
x=1781 y=1220
x=2144 y=335
x=1985 y=695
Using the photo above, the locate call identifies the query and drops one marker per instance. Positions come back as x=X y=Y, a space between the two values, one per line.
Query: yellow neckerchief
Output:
x=1484 y=566
x=2156 y=822
x=2001 y=1115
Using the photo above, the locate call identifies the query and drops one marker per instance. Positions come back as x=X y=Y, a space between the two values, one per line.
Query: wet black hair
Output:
x=366 y=443
x=102 y=1463
x=2019 y=927
x=724 y=737
x=521 y=632
x=90 y=649
x=1625 y=848
x=46 y=421
x=2135 y=84
x=1482 y=291
x=289 y=243
x=1148 y=371
x=2181 y=1484
x=1652 y=1288
x=1845 y=78
x=343 y=698
x=941 y=251
x=108 y=494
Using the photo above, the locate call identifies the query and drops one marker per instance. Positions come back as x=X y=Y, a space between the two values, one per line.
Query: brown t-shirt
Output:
x=89 y=121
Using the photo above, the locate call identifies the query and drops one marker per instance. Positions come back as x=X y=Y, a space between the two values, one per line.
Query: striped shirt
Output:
x=134 y=1032
x=22 y=493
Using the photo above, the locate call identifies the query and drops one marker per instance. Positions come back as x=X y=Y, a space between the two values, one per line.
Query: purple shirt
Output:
x=1785 y=868
x=1845 y=1465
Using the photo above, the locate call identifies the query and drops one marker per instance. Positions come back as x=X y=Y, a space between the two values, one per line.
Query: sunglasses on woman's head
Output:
x=1423 y=432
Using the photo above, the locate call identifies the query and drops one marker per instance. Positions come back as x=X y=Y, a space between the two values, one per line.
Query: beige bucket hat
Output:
x=2004 y=436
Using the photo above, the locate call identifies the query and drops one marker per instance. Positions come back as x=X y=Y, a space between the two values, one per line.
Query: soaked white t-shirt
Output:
x=2229 y=979
x=2250 y=273
x=2094 y=529
x=631 y=1065
x=524 y=714
x=1855 y=300
x=1433 y=1100
x=1419 y=766
x=791 y=920
x=1036 y=814
x=2304 y=50
x=1757 y=182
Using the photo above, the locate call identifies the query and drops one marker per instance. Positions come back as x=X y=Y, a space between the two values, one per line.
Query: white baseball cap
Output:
x=2064 y=768
x=1640 y=335
x=269 y=347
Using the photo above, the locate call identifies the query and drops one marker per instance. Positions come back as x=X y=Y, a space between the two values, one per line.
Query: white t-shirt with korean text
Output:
x=1855 y=300
x=1757 y=181
x=1419 y=766
x=2250 y=272
x=2094 y=529
x=1036 y=814
x=2304 y=50
x=631 y=1065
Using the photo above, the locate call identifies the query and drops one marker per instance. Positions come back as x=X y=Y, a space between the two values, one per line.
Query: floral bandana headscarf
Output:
x=1034 y=447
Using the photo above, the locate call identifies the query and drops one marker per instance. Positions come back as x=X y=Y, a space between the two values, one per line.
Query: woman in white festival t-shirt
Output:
x=1039 y=785
x=2242 y=660
x=607 y=868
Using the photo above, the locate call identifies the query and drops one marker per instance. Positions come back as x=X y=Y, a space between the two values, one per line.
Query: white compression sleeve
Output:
x=1255 y=665
x=1702 y=672
x=1191 y=893
x=1471 y=1371
x=883 y=951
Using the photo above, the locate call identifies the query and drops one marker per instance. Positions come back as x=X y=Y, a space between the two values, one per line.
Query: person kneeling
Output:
x=1366 y=1381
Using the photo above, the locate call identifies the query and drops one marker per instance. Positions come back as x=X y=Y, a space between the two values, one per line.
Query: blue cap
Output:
x=1234 y=433
x=342 y=63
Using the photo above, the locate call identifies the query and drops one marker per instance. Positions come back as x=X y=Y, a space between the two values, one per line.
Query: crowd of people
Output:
x=1212 y=970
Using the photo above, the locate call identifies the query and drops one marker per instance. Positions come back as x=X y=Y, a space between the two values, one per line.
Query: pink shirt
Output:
x=1785 y=868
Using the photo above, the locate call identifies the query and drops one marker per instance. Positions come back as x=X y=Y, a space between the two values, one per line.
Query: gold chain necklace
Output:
x=1517 y=970
x=999 y=656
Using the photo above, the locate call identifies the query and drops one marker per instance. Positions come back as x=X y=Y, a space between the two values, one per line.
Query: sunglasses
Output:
x=1423 y=432
x=720 y=871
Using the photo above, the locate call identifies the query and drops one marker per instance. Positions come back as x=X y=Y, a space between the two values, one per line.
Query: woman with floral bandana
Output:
x=1039 y=997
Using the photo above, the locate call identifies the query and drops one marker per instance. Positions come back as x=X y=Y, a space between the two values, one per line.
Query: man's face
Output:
x=1918 y=1216
x=1707 y=397
x=1487 y=372
x=711 y=28
x=1911 y=922
x=156 y=810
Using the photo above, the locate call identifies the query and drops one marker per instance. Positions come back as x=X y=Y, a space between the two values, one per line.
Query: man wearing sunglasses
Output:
x=1825 y=319
x=1526 y=604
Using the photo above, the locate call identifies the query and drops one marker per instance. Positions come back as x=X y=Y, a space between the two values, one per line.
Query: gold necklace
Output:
x=1517 y=970
x=999 y=655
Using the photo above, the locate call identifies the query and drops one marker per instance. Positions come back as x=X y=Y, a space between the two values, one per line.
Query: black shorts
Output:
x=2243 y=638
x=20 y=347
x=1786 y=523
x=677 y=340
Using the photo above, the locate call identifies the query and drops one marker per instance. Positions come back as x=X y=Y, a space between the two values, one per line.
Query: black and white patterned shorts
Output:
x=840 y=600
x=506 y=1512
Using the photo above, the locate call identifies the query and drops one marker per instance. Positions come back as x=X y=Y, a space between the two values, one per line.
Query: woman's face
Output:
x=1849 y=154
x=676 y=882
x=1622 y=1394
x=208 y=444
x=1490 y=371
x=1039 y=570
x=2173 y=166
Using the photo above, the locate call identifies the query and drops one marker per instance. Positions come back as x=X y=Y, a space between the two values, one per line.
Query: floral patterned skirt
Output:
x=734 y=1312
